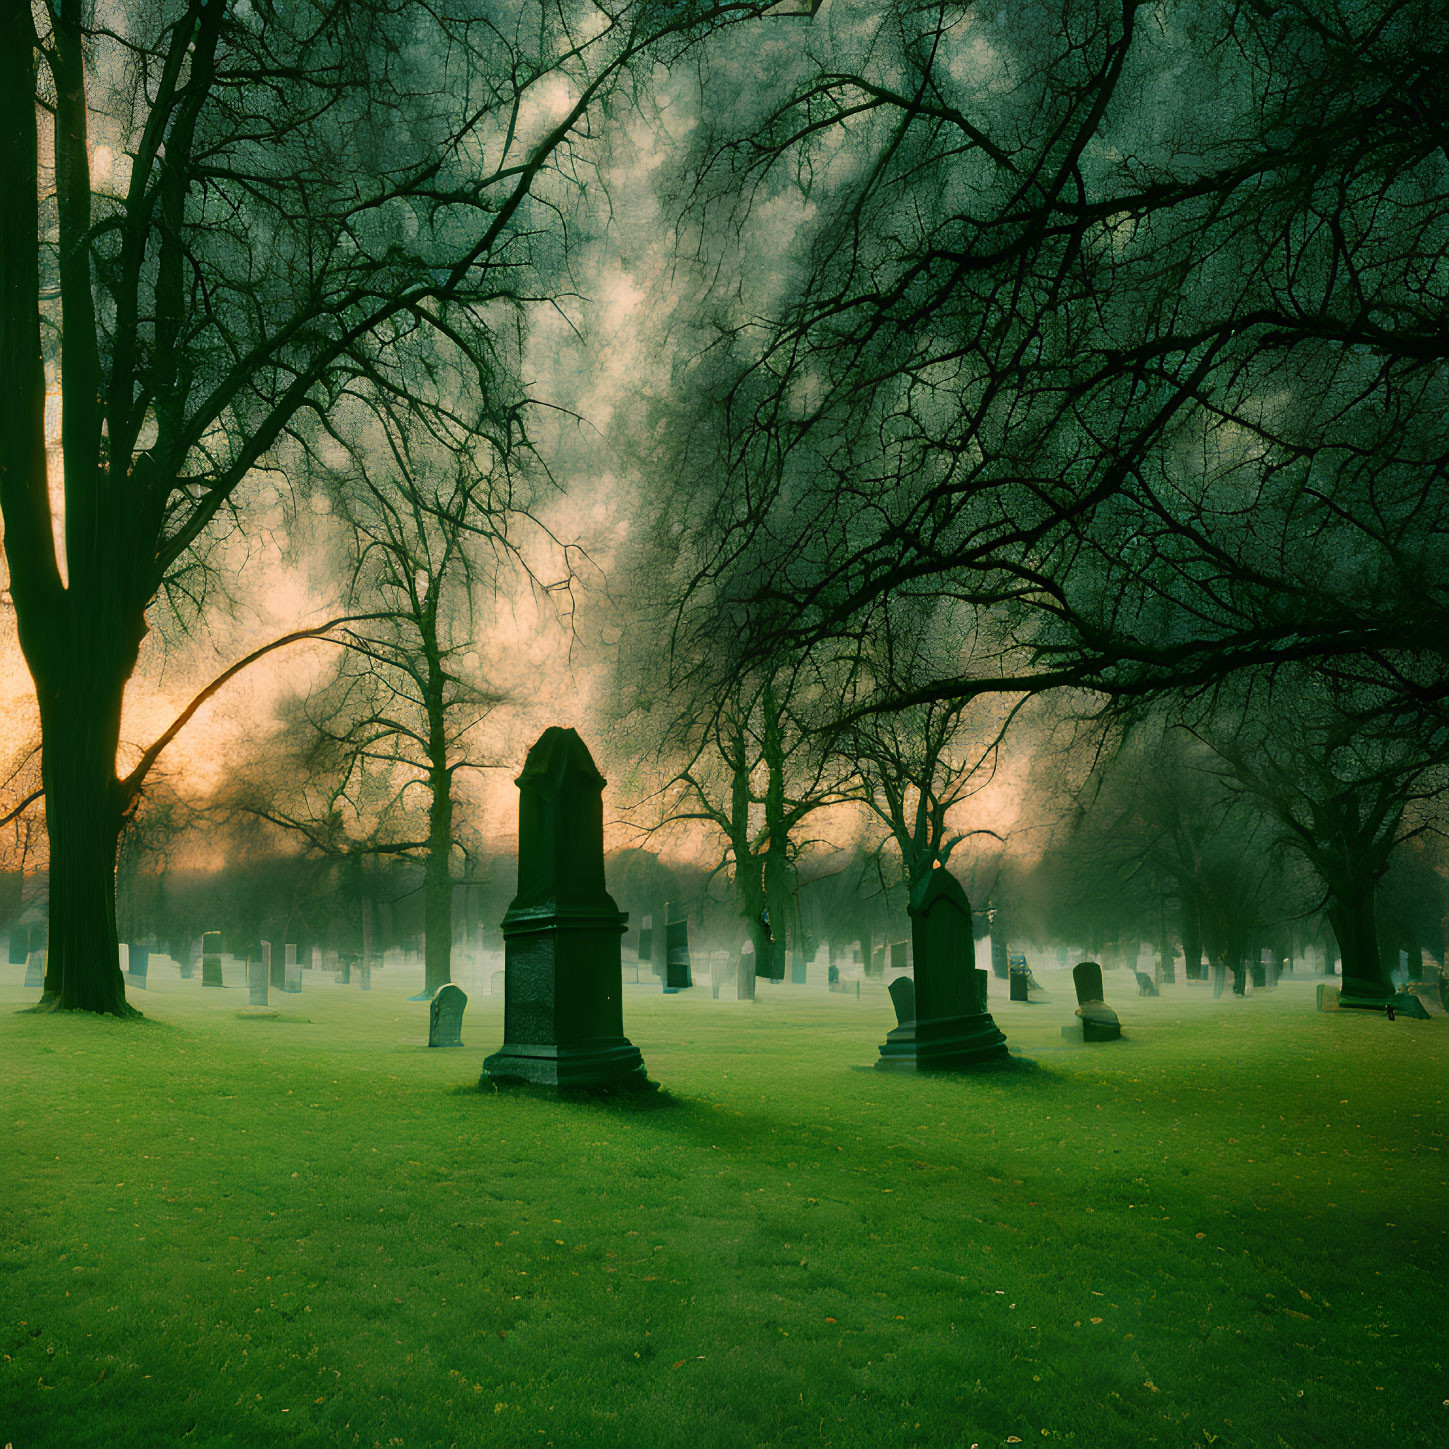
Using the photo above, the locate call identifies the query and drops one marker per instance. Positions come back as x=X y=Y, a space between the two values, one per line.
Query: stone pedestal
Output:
x=563 y=1024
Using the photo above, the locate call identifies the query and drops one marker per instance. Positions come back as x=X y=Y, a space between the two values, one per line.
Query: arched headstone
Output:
x=445 y=1016
x=951 y=1029
x=1099 y=1021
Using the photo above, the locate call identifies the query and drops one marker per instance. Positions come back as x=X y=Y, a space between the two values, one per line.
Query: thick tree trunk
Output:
x=1352 y=914
x=84 y=823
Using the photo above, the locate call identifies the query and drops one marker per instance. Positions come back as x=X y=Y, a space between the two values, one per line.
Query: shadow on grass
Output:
x=49 y=1007
x=633 y=1100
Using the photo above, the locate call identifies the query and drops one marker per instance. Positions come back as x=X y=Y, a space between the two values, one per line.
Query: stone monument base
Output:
x=1099 y=1022
x=950 y=1044
x=1406 y=1003
x=1354 y=1002
x=606 y=1063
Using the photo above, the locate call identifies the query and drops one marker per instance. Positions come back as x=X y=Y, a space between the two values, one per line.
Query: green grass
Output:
x=309 y=1230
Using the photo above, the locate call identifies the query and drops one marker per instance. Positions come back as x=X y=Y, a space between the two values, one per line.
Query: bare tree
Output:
x=1148 y=375
x=1346 y=777
x=379 y=744
x=757 y=774
x=297 y=203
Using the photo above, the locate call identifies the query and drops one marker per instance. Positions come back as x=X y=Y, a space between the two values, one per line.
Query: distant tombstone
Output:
x=291 y=977
x=1019 y=976
x=314 y=959
x=1220 y=978
x=903 y=998
x=211 y=959
x=258 y=979
x=646 y=939
x=900 y=959
x=1146 y=986
x=1087 y=978
x=445 y=1016
x=677 y=973
x=950 y=1029
x=563 y=1019
x=1099 y=1021
x=138 y=964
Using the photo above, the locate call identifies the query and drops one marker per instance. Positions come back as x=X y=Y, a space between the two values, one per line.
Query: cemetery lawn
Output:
x=1228 y=1229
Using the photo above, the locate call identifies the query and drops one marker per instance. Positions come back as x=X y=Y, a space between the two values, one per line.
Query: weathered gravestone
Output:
x=276 y=967
x=445 y=1016
x=211 y=959
x=258 y=979
x=138 y=964
x=677 y=972
x=291 y=975
x=1019 y=977
x=951 y=1029
x=900 y=955
x=903 y=998
x=563 y=1016
x=1099 y=1021
x=1146 y=986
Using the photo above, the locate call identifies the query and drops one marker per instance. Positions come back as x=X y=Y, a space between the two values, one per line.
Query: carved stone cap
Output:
x=939 y=885
x=559 y=758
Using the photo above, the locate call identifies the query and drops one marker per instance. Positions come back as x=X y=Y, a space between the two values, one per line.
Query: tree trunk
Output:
x=779 y=895
x=1352 y=914
x=83 y=971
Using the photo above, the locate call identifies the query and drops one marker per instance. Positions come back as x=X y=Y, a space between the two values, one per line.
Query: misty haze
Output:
x=726 y=724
